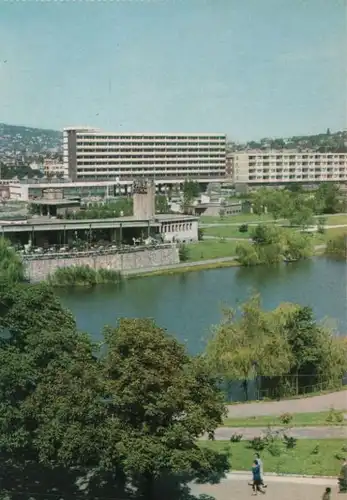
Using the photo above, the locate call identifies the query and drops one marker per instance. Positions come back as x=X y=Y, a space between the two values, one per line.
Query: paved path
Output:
x=235 y=487
x=336 y=432
x=337 y=400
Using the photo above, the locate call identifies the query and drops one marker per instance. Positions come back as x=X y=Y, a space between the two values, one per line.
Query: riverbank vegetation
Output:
x=83 y=276
x=271 y=244
x=284 y=352
x=75 y=412
x=312 y=457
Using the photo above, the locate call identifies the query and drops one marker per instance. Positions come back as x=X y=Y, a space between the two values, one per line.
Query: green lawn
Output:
x=211 y=249
x=299 y=420
x=235 y=219
x=310 y=456
x=332 y=220
x=233 y=232
x=225 y=232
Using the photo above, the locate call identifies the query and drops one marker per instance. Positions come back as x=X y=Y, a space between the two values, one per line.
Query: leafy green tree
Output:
x=191 y=190
x=11 y=264
x=328 y=198
x=70 y=412
x=316 y=355
x=249 y=343
x=161 y=204
x=165 y=401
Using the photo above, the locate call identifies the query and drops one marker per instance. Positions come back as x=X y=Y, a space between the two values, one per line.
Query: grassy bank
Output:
x=319 y=419
x=211 y=249
x=83 y=276
x=310 y=456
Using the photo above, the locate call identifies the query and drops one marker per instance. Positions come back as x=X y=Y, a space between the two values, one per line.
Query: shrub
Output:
x=274 y=448
x=236 y=438
x=183 y=253
x=334 y=417
x=289 y=441
x=83 y=276
x=243 y=228
x=286 y=418
x=201 y=233
x=258 y=443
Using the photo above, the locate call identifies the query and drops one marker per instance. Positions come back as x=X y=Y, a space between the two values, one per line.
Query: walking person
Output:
x=260 y=462
x=327 y=494
x=256 y=486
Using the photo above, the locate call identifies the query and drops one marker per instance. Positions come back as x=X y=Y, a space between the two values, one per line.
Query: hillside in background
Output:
x=327 y=142
x=19 y=139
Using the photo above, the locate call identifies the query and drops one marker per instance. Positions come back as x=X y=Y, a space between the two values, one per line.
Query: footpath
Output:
x=324 y=402
x=235 y=487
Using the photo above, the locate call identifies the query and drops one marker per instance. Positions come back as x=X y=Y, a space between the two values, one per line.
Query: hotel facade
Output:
x=281 y=167
x=90 y=154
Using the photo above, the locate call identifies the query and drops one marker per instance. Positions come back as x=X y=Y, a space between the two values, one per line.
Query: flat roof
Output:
x=51 y=224
x=42 y=201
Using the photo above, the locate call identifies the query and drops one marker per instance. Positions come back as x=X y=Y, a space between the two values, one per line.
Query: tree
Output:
x=191 y=190
x=328 y=199
x=161 y=204
x=164 y=399
x=71 y=412
x=316 y=355
x=248 y=345
x=11 y=265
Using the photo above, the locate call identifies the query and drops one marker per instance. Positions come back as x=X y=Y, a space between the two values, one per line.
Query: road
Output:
x=325 y=402
x=235 y=487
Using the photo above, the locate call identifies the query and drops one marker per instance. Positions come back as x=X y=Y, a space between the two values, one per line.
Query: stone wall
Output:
x=40 y=267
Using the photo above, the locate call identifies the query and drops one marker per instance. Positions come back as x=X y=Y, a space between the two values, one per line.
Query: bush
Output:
x=334 y=417
x=243 y=228
x=289 y=441
x=183 y=253
x=83 y=276
x=286 y=418
x=201 y=233
x=236 y=438
x=258 y=443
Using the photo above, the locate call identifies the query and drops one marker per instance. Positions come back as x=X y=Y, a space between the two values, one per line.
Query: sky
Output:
x=247 y=68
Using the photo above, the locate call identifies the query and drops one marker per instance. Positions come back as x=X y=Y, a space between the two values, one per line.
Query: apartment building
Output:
x=54 y=168
x=93 y=154
x=280 y=167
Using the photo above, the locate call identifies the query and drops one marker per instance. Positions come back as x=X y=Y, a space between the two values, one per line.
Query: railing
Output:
x=64 y=253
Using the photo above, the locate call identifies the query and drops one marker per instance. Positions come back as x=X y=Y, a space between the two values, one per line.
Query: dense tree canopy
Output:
x=119 y=415
x=286 y=347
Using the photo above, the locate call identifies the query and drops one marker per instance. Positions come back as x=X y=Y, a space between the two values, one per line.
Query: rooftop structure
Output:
x=92 y=154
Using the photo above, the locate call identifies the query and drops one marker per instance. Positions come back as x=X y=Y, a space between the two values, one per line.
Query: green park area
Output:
x=316 y=457
x=211 y=249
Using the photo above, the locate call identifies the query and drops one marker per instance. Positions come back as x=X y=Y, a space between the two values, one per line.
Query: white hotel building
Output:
x=281 y=167
x=90 y=154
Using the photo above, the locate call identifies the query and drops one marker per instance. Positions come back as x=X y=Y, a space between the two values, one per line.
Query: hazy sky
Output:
x=249 y=68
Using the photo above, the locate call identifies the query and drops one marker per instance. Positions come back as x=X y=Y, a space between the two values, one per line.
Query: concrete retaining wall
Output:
x=38 y=269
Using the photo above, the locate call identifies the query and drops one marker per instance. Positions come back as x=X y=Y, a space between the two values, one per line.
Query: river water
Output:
x=189 y=304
